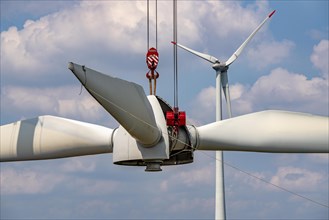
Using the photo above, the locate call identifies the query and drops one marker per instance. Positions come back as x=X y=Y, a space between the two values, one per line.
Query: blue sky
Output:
x=284 y=67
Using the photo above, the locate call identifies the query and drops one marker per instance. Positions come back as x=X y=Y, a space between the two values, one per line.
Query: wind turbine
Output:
x=221 y=69
x=144 y=137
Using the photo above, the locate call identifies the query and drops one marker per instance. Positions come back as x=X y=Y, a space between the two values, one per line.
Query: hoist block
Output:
x=152 y=58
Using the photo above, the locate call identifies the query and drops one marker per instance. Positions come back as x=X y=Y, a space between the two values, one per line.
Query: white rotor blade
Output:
x=243 y=45
x=267 y=131
x=49 y=137
x=207 y=57
x=125 y=101
x=226 y=90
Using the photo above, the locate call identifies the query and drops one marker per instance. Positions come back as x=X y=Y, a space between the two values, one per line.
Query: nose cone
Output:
x=79 y=71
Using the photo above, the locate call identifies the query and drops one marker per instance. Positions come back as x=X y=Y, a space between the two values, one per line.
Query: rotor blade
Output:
x=226 y=89
x=207 y=57
x=49 y=137
x=125 y=101
x=267 y=131
x=243 y=45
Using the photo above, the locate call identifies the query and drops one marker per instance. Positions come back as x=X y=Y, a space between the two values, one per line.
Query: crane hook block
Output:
x=152 y=58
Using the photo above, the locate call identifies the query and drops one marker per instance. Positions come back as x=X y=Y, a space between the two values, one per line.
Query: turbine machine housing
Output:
x=173 y=148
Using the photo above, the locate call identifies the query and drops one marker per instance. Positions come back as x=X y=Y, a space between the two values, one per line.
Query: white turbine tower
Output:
x=221 y=69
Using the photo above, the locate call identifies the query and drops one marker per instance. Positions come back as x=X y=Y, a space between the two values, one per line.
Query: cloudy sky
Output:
x=285 y=67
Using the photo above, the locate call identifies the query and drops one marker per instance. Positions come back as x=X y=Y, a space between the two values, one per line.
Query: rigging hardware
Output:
x=152 y=55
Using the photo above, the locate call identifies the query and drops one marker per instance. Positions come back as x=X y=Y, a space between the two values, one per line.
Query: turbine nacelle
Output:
x=220 y=67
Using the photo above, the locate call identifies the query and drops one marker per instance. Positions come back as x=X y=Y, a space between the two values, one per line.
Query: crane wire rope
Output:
x=156 y=23
x=175 y=54
x=152 y=56
x=210 y=156
x=148 y=24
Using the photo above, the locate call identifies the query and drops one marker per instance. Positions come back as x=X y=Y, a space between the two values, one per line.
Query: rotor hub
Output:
x=218 y=66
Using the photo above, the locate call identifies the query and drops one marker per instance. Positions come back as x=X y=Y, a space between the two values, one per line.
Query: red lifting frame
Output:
x=176 y=118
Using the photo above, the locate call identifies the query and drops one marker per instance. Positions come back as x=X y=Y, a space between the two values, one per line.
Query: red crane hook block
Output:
x=152 y=58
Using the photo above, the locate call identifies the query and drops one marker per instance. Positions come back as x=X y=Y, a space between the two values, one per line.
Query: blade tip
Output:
x=270 y=15
x=71 y=66
x=173 y=42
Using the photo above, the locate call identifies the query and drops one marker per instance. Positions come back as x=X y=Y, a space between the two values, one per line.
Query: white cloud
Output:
x=287 y=159
x=45 y=178
x=204 y=175
x=222 y=12
x=204 y=105
x=93 y=187
x=320 y=57
x=319 y=158
x=93 y=207
x=188 y=205
x=190 y=176
x=317 y=34
x=77 y=164
x=292 y=91
x=280 y=89
x=28 y=181
x=13 y=50
x=164 y=186
x=63 y=101
x=251 y=180
x=98 y=30
x=268 y=53
x=297 y=179
x=236 y=91
x=287 y=173
x=291 y=177
x=82 y=29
